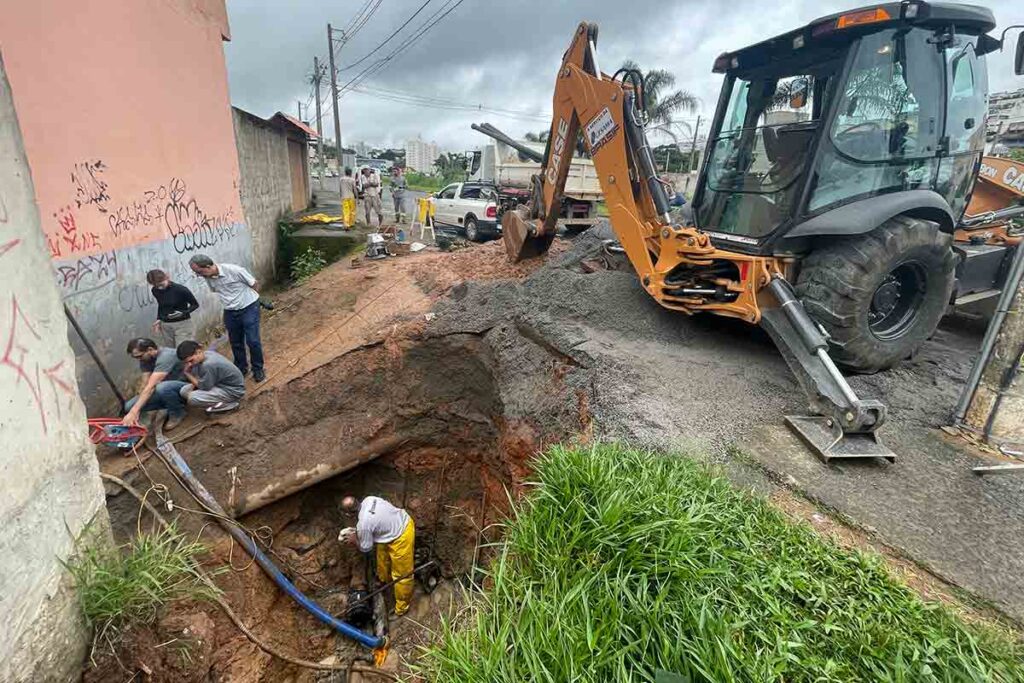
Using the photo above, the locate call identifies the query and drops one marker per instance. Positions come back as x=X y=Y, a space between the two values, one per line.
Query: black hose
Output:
x=95 y=357
x=636 y=77
x=641 y=150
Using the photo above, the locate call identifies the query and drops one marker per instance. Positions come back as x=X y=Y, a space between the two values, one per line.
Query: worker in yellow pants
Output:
x=392 y=531
x=348 y=198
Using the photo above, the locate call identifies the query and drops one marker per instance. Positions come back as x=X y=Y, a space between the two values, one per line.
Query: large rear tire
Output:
x=882 y=294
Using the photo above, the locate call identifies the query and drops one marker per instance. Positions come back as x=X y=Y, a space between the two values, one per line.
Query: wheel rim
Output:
x=896 y=301
x=471 y=229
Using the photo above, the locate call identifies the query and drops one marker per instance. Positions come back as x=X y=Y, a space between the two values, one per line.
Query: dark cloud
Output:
x=502 y=55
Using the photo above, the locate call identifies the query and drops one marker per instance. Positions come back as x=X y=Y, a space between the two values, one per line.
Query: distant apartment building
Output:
x=420 y=156
x=362 y=149
x=1005 y=123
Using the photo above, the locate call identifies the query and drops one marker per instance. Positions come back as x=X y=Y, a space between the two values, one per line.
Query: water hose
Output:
x=221 y=602
x=169 y=454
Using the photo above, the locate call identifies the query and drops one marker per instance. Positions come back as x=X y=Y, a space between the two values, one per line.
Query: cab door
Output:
x=444 y=213
x=966 y=109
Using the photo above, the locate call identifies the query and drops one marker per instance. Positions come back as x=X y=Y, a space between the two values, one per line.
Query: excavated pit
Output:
x=443 y=424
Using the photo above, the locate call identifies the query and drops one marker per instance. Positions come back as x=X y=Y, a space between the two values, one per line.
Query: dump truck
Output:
x=833 y=227
x=511 y=164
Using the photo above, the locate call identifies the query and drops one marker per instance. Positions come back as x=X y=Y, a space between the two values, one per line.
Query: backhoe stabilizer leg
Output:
x=845 y=426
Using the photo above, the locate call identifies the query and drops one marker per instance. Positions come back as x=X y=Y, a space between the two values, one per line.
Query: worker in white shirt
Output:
x=392 y=531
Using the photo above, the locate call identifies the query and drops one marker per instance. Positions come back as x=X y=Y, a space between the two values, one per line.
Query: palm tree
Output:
x=538 y=137
x=662 y=105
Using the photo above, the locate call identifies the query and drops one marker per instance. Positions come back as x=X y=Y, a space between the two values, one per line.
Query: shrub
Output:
x=120 y=587
x=307 y=264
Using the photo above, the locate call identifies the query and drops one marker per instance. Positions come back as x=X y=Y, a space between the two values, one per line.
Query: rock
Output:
x=190 y=638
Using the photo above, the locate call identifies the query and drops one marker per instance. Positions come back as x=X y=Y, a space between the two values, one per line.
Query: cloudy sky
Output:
x=497 y=55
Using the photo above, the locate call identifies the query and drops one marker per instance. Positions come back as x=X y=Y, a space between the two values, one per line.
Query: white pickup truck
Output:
x=469 y=209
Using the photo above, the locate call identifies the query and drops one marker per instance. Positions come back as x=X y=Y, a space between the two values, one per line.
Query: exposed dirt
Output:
x=442 y=425
x=447 y=372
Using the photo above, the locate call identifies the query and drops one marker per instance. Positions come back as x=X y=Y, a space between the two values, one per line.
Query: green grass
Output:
x=624 y=562
x=120 y=587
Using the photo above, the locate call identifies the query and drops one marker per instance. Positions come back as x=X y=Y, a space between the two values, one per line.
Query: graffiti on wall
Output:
x=169 y=207
x=87 y=273
x=90 y=188
x=23 y=351
x=191 y=228
x=188 y=225
x=69 y=239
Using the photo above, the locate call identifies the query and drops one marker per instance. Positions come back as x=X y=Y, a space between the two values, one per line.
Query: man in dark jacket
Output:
x=175 y=305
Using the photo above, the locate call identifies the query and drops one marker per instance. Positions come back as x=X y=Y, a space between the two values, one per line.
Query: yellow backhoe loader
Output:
x=841 y=159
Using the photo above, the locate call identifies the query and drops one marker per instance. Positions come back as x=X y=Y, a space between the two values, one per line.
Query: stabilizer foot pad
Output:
x=828 y=441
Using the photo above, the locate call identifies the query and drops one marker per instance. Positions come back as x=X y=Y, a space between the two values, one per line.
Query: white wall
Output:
x=51 y=486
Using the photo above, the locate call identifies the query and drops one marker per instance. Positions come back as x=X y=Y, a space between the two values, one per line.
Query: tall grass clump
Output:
x=623 y=563
x=120 y=587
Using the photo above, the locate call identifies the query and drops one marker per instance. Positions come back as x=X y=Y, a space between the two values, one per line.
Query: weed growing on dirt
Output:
x=120 y=587
x=624 y=562
x=307 y=264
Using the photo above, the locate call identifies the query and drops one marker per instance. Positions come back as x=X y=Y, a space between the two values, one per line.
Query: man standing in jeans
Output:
x=237 y=289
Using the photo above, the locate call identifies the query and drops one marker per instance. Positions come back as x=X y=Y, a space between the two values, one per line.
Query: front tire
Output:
x=879 y=295
x=472 y=230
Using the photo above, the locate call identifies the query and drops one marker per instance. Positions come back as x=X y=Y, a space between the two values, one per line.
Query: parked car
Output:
x=469 y=209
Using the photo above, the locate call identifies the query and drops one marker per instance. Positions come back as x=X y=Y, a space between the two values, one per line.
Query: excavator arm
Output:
x=679 y=265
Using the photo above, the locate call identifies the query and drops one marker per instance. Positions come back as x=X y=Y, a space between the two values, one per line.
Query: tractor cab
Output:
x=835 y=127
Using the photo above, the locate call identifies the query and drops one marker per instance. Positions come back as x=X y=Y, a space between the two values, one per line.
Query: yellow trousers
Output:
x=348 y=212
x=395 y=559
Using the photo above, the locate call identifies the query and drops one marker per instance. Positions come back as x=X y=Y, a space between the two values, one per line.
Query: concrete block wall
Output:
x=265 y=185
x=51 y=488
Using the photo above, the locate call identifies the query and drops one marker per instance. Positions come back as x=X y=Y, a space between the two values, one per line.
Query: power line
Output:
x=357 y=17
x=353 y=29
x=446 y=103
x=449 y=106
x=386 y=40
x=409 y=42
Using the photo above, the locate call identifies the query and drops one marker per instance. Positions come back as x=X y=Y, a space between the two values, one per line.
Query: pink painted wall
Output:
x=127 y=126
x=116 y=99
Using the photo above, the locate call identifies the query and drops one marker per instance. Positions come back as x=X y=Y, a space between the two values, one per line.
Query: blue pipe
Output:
x=185 y=472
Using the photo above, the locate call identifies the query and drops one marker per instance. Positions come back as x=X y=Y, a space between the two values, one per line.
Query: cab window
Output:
x=888 y=123
x=447 y=193
x=891 y=105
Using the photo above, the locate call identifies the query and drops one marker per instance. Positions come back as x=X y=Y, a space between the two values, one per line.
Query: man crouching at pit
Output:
x=393 y=532
x=214 y=382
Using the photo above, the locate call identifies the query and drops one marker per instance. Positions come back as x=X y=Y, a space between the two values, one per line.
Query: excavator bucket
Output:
x=521 y=240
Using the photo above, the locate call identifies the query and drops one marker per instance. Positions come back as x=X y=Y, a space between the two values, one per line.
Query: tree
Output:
x=662 y=105
x=538 y=137
x=671 y=159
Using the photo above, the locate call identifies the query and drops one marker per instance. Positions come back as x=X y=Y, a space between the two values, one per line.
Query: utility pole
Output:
x=299 y=102
x=334 y=98
x=693 y=146
x=319 y=126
